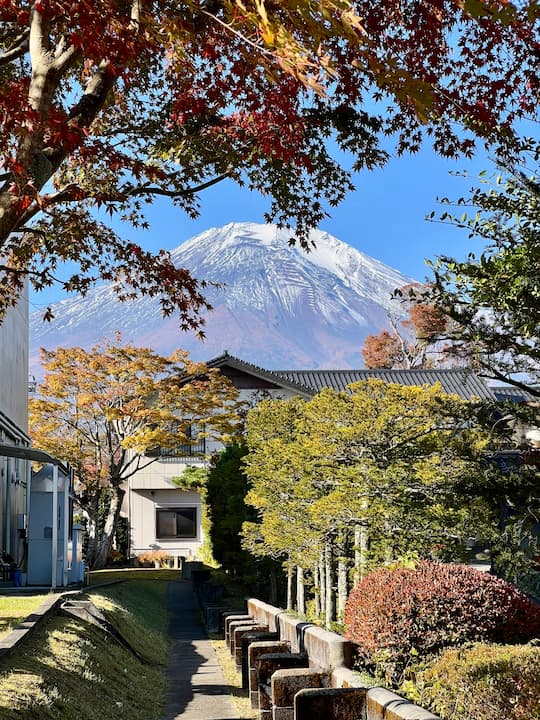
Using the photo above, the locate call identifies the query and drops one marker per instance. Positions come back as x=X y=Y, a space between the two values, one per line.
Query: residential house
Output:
x=163 y=517
x=14 y=472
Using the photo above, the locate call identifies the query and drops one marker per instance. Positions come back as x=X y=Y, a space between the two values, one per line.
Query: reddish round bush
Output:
x=395 y=615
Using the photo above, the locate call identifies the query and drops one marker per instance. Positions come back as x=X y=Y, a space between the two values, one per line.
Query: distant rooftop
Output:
x=511 y=393
x=462 y=382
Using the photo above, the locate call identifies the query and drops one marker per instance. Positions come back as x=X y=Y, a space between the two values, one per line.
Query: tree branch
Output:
x=148 y=190
x=494 y=374
x=17 y=49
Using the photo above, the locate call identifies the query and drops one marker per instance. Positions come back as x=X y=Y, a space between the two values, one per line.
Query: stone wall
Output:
x=306 y=672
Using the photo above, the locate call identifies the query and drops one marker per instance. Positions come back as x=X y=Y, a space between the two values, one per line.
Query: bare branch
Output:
x=18 y=48
x=229 y=28
x=35 y=231
x=64 y=59
x=147 y=190
x=493 y=374
x=136 y=12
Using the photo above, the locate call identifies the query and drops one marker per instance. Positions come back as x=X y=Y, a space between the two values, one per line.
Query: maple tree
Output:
x=106 y=410
x=413 y=341
x=106 y=106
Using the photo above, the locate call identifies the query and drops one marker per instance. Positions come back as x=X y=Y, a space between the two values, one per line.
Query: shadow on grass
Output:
x=74 y=671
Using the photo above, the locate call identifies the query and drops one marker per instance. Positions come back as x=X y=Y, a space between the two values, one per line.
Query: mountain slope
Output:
x=280 y=307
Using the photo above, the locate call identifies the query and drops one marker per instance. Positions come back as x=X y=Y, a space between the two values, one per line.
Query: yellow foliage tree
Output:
x=105 y=409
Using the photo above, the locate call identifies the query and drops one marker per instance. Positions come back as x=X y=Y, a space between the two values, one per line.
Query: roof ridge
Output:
x=377 y=370
x=257 y=368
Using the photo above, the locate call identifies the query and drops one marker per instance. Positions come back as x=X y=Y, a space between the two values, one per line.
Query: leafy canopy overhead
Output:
x=108 y=105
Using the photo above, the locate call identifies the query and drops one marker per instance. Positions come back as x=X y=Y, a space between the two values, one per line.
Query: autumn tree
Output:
x=107 y=106
x=413 y=342
x=108 y=409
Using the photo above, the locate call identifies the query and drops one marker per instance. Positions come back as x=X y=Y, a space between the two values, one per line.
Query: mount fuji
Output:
x=277 y=306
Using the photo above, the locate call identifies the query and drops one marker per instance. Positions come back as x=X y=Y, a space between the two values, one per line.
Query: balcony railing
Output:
x=180 y=453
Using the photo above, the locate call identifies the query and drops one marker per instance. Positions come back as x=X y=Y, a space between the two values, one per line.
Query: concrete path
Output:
x=197 y=689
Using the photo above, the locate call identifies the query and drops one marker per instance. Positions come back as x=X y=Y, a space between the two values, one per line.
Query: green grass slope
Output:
x=71 y=670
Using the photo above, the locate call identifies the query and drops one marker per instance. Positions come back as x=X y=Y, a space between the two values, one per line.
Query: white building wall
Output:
x=14 y=426
x=152 y=488
x=14 y=365
x=144 y=504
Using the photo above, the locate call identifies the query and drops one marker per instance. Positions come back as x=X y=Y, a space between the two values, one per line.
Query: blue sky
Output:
x=384 y=217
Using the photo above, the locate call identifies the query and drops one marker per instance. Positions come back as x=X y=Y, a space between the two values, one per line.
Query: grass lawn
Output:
x=97 y=577
x=70 y=670
x=14 y=610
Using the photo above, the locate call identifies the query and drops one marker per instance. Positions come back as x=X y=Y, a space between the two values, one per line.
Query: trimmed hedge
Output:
x=398 y=616
x=482 y=682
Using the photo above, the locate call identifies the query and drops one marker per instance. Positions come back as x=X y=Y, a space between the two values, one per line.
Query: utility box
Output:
x=49 y=521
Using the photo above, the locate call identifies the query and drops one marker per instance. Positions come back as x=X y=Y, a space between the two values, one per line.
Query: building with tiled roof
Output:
x=163 y=517
x=458 y=381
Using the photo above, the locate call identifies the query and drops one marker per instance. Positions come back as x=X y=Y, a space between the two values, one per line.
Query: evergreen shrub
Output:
x=480 y=682
x=402 y=615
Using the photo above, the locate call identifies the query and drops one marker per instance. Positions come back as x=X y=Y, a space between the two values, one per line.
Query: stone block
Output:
x=345 y=677
x=255 y=650
x=236 y=640
x=327 y=649
x=213 y=617
x=383 y=704
x=293 y=630
x=264 y=613
x=287 y=683
x=247 y=640
x=234 y=618
x=330 y=704
x=237 y=625
x=266 y=666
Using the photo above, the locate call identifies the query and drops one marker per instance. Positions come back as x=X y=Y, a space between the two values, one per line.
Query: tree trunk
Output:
x=360 y=552
x=290 y=604
x=300 y=595
x=91 y=511
x=389 y=546
x=329 y=574
x=342 y=588
x=109 y=528
x=322 y=584
x=317 y=589
x=273 y=586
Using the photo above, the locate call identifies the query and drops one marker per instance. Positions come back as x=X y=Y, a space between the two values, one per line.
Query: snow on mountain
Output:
x=280 y=307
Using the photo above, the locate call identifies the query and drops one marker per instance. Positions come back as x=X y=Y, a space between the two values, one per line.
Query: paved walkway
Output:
x=197 y=689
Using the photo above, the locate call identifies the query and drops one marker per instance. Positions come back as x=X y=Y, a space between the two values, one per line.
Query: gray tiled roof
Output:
x=511 y=393
x=461 y=382
x=270 y=375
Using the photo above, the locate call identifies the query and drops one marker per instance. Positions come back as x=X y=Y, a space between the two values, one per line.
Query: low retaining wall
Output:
x=306 y=672
x=27 y=626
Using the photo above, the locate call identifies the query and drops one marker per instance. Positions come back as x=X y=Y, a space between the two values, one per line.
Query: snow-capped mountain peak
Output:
x=279 y=306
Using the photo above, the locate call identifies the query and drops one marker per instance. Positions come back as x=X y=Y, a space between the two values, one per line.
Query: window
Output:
x=176 y=523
